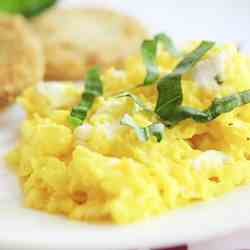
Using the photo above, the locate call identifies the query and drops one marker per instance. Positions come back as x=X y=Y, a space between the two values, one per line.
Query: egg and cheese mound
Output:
x=100 y=171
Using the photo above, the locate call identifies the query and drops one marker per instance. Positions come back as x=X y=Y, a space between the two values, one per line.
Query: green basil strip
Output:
x=149 y=53
x=219 y=106
x=182 y=112
x=169 y=95
x=169 y=88
x=226 y=104
x=168 y=44
x=135 y=99
x=93 y=89
x=189 y=61
x=144 y=133
x=28 y=8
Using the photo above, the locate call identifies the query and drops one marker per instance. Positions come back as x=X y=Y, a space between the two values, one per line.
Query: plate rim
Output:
x=222 y=208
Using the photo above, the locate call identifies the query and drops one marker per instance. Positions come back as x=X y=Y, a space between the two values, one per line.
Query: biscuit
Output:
x=21 y=57
x=76 y=39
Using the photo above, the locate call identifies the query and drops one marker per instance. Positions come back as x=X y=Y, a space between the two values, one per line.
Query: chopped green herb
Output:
x=93 y=89
x=149 y=52
x=168 y=44
x=226 y=104
x=135 y=99
x=169 y=95
x=169 y=88
x=28 y=8
x=189 y=61
x=182 y=112
x=144 y=133
x=219 y=106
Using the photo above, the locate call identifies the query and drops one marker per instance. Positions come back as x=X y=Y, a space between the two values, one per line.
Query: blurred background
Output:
x=185 y=19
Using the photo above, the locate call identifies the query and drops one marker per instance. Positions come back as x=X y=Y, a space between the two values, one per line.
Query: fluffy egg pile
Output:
x=101 y=172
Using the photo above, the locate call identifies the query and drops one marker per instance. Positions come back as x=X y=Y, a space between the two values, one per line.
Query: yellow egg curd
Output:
x=100 y=171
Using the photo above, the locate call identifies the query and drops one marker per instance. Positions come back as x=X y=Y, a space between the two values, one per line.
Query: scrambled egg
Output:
x=101 y=172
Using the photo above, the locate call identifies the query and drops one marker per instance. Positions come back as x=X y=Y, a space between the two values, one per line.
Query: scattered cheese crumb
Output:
x=56 y=93
x=211 y=157
x=207 y=70
x=108 y=128
x=83 y=133
x=108 y=106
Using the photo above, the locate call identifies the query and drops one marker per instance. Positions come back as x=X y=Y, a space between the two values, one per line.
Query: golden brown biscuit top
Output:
x=75 y=39
x=21 y=57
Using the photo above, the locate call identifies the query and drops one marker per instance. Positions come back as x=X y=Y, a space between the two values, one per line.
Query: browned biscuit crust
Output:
x=21 y=57
x=76 y=39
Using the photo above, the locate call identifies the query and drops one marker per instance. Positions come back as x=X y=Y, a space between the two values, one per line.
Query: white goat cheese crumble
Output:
x=211 y=157
x=206 y=71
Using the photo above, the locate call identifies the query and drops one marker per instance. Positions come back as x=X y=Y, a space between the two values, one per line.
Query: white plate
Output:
x=24 y=228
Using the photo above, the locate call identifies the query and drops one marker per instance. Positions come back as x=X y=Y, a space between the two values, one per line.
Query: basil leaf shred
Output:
x=144 y=133
x=218 y=106
x=168 y=44
x=170 y=94
x=93 y=89
x=225 y=104
x=137 y=100
x=149 y=53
